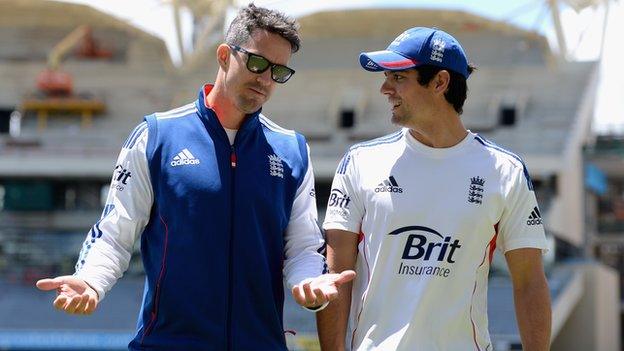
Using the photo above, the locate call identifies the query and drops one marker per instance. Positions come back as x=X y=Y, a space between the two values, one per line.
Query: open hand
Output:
x=74 y=295
x=315 y=292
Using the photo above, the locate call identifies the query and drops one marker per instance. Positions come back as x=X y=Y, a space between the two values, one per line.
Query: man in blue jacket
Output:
x=222 y=200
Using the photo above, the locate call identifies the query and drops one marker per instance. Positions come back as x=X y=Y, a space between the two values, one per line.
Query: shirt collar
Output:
x=209 y=115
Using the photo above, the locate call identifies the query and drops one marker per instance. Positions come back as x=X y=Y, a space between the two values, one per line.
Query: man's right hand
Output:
x=74 y=295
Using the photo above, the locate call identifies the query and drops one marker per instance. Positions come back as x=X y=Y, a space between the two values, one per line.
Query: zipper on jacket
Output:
x=233 y=161
x=233 y=158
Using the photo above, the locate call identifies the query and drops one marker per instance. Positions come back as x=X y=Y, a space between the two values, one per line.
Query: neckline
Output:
x=436 y=152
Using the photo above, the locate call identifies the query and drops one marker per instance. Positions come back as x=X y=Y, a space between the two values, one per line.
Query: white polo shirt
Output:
x=429 y=220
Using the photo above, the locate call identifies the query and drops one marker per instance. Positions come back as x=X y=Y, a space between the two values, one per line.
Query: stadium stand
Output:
x=520 y=97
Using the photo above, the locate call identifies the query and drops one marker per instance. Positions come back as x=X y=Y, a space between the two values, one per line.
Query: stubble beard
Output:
x=249 y=105
x=399 y=119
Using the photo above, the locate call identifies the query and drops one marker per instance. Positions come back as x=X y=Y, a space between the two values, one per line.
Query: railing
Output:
x=611 y=130
x=611 y=227
x=27 y=254
x=608 y=144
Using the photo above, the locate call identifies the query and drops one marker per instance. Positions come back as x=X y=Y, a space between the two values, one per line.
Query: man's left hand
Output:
x=315 y=292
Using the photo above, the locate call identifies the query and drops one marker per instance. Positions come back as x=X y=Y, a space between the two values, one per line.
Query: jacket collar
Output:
x=209 y=116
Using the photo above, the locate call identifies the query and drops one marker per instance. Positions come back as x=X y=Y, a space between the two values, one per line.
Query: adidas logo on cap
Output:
x=184 y=157
x=389 y=185
x=535 y=218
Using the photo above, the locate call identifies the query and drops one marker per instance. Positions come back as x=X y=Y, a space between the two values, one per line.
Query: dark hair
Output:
x=251 y=18
x=457 y=90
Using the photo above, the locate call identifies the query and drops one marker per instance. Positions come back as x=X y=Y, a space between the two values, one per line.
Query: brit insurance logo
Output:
x=389 y=185
x=120 y=178
x=338 y=199
x=372 y=65
x=338 y=202
x=184 y=157
x=426 y=252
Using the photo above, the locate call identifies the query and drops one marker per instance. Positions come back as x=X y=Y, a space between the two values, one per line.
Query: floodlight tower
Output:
x=209 y=18
x=577 y=5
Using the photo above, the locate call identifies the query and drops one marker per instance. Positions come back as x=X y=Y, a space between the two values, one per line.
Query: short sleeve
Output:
x=345 y=208
x=521 y=224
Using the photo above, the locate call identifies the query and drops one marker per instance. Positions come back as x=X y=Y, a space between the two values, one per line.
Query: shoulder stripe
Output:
x=138 y=136
x=136 y=133
x=178 y=112
x=389 y=139
x=491 y=145
x=342 y=167
x=177 y=115
x=274 y=127
x=177 y=109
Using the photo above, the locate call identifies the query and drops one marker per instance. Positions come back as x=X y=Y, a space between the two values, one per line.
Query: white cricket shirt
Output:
x=429 y=220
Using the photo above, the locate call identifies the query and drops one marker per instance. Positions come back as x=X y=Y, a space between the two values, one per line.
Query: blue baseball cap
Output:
x=415 y=47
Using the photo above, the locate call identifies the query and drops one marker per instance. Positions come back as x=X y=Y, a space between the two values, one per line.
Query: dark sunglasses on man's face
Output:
x=258 y=64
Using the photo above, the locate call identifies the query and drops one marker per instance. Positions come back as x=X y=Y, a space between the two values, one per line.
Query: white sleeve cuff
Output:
x=92 y=283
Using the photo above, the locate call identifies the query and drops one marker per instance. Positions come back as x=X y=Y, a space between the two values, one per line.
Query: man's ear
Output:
x=441 y=81
x=223 y=56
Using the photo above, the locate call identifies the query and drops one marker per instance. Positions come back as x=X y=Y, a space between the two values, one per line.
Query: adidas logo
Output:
x=535 y=217
x=184 y=157
x=388 y=186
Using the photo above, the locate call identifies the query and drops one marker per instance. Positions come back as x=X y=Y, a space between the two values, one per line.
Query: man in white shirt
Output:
x=419 y=213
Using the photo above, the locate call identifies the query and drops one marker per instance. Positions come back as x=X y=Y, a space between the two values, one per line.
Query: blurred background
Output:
x=77 y=76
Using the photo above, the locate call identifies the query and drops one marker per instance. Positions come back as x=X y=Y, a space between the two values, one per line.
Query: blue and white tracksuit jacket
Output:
x=220 y=225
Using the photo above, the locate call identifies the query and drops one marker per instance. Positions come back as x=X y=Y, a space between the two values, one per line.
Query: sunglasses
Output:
x=258 y=64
